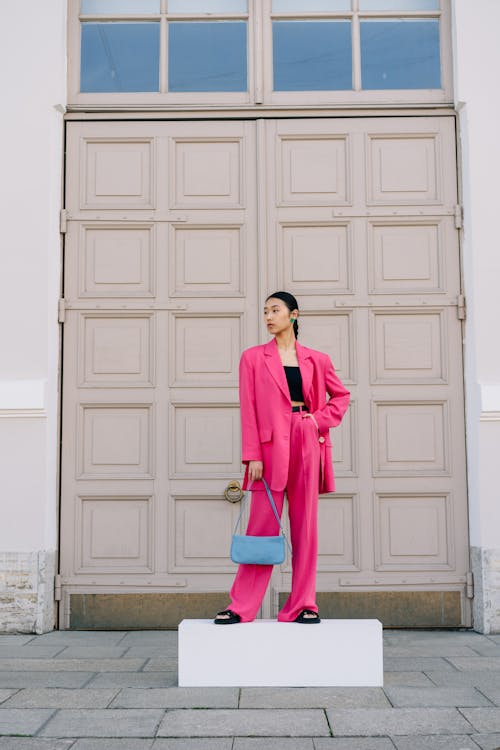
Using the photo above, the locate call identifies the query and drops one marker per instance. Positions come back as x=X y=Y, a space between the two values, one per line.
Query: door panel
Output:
x=167 y=266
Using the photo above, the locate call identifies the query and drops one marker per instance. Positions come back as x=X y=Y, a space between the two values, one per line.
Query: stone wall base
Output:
x=486 y=604
x=27 y=591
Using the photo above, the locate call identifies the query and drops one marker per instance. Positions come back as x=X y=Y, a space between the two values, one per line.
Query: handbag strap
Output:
x=273 y=506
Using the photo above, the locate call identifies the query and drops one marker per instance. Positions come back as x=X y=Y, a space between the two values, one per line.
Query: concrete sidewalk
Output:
x=118 y=691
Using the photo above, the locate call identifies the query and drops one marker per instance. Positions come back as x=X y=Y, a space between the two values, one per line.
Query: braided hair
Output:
x=290 y=302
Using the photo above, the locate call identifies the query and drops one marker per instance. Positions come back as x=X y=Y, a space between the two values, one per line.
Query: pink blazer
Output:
x=266 y=409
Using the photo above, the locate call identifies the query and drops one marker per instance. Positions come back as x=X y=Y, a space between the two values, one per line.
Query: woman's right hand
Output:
x=255 y=469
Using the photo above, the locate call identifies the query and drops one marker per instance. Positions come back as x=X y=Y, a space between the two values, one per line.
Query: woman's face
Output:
x=277 y=316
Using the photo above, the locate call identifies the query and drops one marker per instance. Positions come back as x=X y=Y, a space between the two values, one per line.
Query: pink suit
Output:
x=296 y=458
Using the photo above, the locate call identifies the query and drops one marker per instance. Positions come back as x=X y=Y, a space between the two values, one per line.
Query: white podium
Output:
x=267 y=653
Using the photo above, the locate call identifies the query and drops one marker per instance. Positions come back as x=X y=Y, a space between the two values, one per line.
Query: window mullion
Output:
x=163 y=48
x=356 y=47
x=258 y=49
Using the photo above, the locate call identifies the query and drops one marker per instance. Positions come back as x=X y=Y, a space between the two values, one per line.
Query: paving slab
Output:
x=394 y=721
x=435 y=636
x=435 y=742
x=152 y=650
x=354 y=743
x=483 y=719
x=72 y=665
x=44 y=679
x=125 y=743
x=34 y=743
x=487 y=741
x=244 y=722
x=272 y=743
x=193 y=743
x=311 y=697
x=142 y=637
x=108 y=722
x=433 y=631
x=93 y=652
x=23 y=720
x=485 y=644
x=176 y=697
x=16 y=638
x=476 y=662
x=62 y=698
x=486 y=649
x=446 y=632
x=428 y=649
x=495 y=637
x=410 y=679
x=161 y=664
x=435 y=696
x=416 y=664
x=6 y=693
x=492 y=693
x=474 y=678
x=133 y=680
x=29 y=651
x=109 y=637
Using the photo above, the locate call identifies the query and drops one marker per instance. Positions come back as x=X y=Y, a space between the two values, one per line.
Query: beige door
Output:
x=176 y=232
x=161 y=289
x=361 y=227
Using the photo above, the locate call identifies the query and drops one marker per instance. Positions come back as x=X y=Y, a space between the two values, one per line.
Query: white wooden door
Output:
x=361 y=228
x=176 y=233
x=160 y=299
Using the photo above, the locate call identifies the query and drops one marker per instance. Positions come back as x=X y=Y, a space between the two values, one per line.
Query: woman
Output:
x=285 y=421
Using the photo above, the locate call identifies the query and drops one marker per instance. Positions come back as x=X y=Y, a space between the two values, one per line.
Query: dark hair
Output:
x=290 y=302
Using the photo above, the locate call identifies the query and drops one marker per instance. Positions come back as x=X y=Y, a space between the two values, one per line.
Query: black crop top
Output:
x=294 y=380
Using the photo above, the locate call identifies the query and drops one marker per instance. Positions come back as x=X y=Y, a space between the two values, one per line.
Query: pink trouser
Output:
x=251 y=581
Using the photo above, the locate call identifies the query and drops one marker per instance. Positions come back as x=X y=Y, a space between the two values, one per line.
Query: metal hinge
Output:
x=57 y=588
x=469 y=589
x=461 y=307
x=458 y=216
x=61 y=310
x=63 y=221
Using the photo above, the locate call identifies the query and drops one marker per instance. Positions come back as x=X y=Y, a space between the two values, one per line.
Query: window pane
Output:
x=207 y=56
x=282 y=6
x=399 y=4
x=312 y=55
x=109 y=7
x=120 y=57
x=207 y=6
x=400 y=54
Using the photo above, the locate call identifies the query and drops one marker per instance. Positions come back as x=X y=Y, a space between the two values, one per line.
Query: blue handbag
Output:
x=259 y=550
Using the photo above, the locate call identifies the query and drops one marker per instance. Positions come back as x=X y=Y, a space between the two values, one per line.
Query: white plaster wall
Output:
x=33 y=85
x=477 y=62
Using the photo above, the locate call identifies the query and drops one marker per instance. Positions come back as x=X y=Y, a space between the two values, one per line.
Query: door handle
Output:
x=233 y=492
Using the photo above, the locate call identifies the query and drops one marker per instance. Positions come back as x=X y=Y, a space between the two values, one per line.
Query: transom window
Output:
x=259 y=51
x=123 y=45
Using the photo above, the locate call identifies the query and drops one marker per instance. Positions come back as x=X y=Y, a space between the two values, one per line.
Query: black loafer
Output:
x=308 y=620
x=228 y=617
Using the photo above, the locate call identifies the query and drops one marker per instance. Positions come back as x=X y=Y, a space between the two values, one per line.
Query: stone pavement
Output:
x=118 y=691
